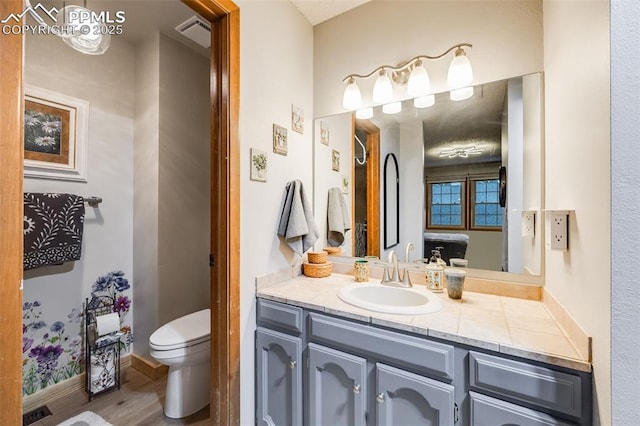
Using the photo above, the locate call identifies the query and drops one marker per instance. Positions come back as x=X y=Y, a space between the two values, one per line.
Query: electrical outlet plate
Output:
x=559 y=230
x=528 y=224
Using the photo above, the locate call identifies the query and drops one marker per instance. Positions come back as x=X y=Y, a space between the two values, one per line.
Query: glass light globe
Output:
x=352 y=98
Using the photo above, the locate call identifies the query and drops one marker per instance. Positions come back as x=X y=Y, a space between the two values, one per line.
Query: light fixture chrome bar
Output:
x=408 y=63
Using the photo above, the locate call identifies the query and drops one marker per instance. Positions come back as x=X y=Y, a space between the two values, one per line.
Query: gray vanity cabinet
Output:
x=488 y=411
x=337 y=387
x=404 y=398
x=279 y=378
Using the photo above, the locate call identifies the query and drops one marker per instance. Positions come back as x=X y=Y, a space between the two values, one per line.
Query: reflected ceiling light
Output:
x=352 y=98
x=424 y=101
x=461 y=152
x=364 y=113
x=413 y=74
x=392 y=108
x=461 y=94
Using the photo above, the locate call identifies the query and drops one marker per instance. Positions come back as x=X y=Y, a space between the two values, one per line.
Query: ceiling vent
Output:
x=196 y=29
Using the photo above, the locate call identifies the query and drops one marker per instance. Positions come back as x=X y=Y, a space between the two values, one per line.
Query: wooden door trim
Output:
x=11 y=213
x=373 y=185
x=224 y=16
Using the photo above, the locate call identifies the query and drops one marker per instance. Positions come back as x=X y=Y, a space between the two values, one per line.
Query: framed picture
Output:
x=56 y=129
x=279 y=140
x=324 y=133
x=335 y=160
x=297 y=119
x=258 y=165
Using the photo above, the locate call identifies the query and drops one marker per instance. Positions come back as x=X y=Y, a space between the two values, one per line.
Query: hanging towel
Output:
x=297 y=225
x=337 y=218
x=52 y=229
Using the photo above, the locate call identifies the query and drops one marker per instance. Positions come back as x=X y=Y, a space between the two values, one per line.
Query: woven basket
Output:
x=333 y=251
x=317 y=257
x=315 y=270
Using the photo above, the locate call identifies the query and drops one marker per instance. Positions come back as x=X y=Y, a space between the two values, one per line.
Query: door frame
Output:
x=224 y=16
x=373 y=184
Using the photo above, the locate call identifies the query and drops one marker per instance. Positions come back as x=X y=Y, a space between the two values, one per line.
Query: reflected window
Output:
x=446 y=205
x=486 y=211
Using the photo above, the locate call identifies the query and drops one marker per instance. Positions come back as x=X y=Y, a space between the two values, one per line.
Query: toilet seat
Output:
x=183 y=332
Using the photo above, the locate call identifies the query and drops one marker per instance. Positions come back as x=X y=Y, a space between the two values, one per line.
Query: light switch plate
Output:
x=559 y=230
x=528 y=224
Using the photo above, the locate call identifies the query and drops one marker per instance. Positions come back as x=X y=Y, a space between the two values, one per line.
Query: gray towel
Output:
x=297 y=225
x=337 y=218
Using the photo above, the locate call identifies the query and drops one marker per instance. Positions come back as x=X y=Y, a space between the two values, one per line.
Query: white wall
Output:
x=340 y=139
x=532 y=175
x=577 y=173
x=171 y=215
x=515 y=169
x=146 y=194
x=184 y=196
x=506 y=38
x=276 y=56
x=107 y=239
x=625 y=195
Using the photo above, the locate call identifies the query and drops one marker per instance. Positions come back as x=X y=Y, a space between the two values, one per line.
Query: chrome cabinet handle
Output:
x=356 y=389
x=380 y=397
x=292 y=364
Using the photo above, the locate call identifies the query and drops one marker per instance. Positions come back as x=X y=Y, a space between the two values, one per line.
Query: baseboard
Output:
x=151 y=369
x=62 y=389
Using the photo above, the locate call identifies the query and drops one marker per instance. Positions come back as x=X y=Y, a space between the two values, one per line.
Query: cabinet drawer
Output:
x=490 y=411
x=433 y=358
x=525 y=383
x=280 y=316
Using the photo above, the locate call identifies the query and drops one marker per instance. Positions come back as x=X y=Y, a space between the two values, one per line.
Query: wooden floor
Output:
x=138 y=402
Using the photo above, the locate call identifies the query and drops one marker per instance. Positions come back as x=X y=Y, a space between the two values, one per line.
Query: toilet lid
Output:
x=184 y=331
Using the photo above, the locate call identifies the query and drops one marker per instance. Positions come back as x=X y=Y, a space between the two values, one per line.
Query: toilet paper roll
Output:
x=108 y=323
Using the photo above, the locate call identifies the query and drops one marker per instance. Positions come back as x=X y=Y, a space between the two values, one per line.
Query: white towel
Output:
x=297 y=225
x=337 y=218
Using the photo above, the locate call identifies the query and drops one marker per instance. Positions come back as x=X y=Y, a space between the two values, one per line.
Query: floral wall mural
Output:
x=53 y=348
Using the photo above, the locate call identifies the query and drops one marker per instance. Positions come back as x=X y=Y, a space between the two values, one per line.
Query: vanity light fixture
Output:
x=364 y=113
x=392 y=108
x=414 y=75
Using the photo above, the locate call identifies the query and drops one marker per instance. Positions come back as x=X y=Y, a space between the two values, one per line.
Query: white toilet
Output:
x=184 y=345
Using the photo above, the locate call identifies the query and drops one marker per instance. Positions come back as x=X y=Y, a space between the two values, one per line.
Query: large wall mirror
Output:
x=449 y=160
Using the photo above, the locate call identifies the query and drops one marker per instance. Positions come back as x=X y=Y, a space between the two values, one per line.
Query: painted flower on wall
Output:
x=113 y=285
x=52 y=348
x=49 y=355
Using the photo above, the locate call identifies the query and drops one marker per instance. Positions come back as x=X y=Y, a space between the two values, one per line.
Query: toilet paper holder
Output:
x=102 y=346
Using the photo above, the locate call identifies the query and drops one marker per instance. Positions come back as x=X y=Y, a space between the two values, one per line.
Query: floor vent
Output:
x=35 y=415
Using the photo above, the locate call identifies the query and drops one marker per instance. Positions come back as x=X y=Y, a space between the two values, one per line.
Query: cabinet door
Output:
x=491 y=411
x=279 y=378
x=337 y=387
x=404 y=398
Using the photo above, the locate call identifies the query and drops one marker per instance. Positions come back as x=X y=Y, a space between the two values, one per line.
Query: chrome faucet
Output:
x=393 y=258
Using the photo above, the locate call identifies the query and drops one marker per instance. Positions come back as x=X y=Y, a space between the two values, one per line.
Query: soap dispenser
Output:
x=435 y=272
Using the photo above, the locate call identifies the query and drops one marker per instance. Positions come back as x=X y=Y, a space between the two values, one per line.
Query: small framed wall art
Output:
x=297 y=119
x=280 y=140
x=258 y=165
x=56 y=129
x=335 y=160
x=324 y=133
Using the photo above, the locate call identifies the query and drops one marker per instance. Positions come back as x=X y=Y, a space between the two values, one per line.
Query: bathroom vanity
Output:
x=321 y=361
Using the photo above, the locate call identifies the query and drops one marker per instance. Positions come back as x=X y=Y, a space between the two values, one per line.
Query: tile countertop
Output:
x=518 y=327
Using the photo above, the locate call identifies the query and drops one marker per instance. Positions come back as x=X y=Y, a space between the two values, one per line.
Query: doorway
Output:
x=224 y=16
x=366 y=178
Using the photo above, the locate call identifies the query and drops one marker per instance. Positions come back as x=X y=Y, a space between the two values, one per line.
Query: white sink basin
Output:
x=391 y=300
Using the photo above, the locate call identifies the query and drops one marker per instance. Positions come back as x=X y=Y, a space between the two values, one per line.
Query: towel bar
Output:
x=93 y=201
